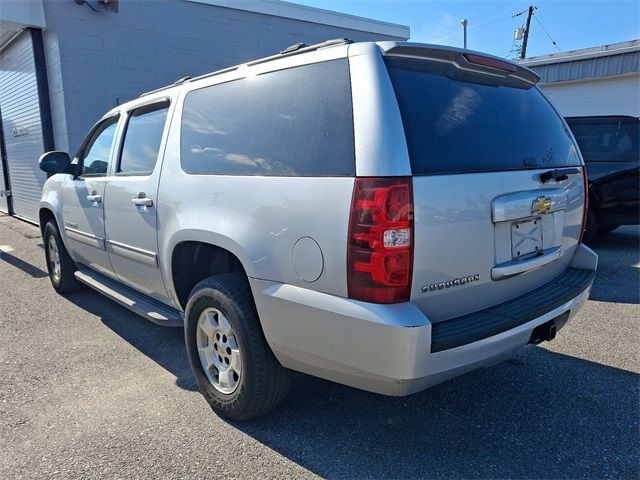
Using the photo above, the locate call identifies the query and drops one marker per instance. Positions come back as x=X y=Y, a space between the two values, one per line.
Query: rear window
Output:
x=295 y=122
x=454 y=126
x=607 y=139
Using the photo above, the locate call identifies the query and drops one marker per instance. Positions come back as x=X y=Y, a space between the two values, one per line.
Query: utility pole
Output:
x=464 y=32
x=523 y=50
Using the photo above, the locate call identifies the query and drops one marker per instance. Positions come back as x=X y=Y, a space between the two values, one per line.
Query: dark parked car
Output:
x=609 y=146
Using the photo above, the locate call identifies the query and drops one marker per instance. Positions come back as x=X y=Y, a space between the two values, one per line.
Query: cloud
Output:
x=447 y=19
x=442 y=30
x=197 y=149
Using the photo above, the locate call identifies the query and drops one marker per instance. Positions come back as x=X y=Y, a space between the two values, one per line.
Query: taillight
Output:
x=585 y=213
x=380 y=246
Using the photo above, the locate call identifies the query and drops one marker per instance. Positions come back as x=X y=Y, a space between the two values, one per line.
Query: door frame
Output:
x=6 y=184
x=42 y=82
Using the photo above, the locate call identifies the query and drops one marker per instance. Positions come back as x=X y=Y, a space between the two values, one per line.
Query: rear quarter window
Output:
x=455 y=126
x=294 y=122
x=142 y=139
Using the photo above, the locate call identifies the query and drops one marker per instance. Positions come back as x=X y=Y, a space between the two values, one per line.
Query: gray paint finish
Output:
x=108 y=58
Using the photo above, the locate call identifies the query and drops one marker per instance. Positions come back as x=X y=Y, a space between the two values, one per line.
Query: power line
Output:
x=545 y=31
x=509 y=52
x=491 y=22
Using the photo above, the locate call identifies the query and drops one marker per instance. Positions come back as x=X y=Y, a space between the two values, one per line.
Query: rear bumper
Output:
x=394 y=349
x=514 y=313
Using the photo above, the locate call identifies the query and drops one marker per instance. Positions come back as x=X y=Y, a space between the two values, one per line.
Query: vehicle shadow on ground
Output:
x=26 y=267
x=163 y=345
x=531 y=417
x=618 y=277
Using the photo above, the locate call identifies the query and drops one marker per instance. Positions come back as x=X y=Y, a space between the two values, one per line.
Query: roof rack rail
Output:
x=291 y=50
x=180 y=81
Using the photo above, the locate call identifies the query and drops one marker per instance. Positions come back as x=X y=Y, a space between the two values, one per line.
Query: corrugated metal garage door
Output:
x=22 y=126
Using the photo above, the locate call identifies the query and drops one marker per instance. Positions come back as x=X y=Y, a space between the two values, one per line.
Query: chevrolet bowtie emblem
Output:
x=541 y=205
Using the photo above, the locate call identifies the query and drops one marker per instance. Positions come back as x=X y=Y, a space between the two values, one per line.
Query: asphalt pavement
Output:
x=89 y=390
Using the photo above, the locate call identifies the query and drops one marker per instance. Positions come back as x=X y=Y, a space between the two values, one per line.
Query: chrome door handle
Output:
x=94 y=198
x=142 y=202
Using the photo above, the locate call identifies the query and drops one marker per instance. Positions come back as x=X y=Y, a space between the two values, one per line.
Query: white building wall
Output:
x=613 y=95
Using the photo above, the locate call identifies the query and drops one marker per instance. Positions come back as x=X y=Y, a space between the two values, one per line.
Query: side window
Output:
x=294 y=122
x=96 y=152
x=142 y=139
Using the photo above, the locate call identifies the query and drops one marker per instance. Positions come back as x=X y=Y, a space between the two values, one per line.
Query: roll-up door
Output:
x=21 y=126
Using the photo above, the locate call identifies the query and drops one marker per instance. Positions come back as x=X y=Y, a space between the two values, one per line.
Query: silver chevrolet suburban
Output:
x=383 y=215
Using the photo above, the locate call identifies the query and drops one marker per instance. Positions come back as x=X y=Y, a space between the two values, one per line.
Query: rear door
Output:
x=489 y=224
x=131 y=200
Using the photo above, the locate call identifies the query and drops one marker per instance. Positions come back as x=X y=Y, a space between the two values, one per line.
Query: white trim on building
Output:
x=294 y=11
x=583 y=54
x=17 y=14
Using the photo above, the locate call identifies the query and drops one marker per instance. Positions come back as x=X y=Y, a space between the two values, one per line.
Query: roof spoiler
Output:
x=464 y=60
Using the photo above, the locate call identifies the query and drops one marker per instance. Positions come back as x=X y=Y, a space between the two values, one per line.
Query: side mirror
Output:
x=55 y=162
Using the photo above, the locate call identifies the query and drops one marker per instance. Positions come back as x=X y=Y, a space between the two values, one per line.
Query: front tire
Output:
x=59 y=264
x=231 y=361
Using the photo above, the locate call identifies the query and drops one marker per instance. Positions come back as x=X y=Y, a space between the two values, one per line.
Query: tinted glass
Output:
x=142 y=139
x=98 y=149
x=607 y=140
x=295 y=122
x=454 y=126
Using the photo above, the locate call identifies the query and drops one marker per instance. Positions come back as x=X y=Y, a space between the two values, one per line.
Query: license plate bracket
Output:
x=526 y=238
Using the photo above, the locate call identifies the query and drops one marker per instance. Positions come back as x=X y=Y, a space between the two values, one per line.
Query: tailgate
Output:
x=483 y=246
x=497 y=180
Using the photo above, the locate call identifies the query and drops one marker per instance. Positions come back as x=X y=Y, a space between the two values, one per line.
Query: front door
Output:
x=131 y=210
x=83 y=199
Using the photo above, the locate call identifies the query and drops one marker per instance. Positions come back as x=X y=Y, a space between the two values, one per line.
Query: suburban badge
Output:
x=456 y=282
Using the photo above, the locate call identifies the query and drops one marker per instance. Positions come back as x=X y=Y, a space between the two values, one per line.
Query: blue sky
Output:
x=572 y=24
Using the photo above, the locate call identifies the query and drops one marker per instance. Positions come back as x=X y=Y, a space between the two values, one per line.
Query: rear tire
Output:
x=59 y=264
x=236 y=371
